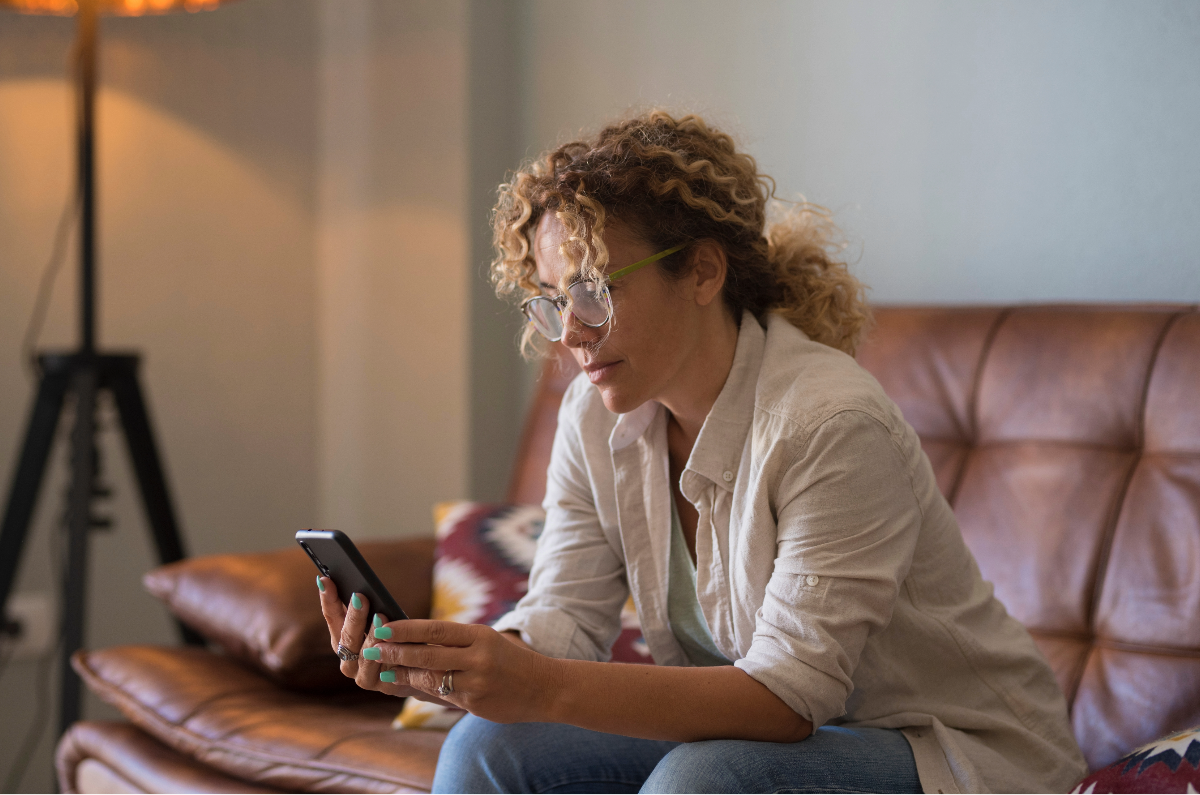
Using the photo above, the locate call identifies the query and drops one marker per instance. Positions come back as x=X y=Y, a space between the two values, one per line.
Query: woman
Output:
x=816 y=619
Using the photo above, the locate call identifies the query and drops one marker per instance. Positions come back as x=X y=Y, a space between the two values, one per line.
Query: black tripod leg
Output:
x=27 y=480
x=79 y=515
x=122 y=381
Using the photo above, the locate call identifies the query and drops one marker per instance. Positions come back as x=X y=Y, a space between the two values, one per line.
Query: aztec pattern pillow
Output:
x=480 y=571
x=1171 y=764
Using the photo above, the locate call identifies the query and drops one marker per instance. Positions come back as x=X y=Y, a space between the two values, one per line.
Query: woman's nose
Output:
x=576 y=334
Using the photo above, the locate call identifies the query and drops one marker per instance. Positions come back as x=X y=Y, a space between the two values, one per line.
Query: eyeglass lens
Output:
x=589 y=304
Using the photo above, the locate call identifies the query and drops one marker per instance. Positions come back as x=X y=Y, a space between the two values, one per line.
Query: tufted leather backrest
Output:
x=1067 y=440
x=527 y=485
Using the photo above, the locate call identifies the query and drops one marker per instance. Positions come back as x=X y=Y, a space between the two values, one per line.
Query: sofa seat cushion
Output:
x=112 y=756
x=263 y=608
x=219 y=712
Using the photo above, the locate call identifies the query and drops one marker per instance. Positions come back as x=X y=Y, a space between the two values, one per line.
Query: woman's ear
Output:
x=709 y=266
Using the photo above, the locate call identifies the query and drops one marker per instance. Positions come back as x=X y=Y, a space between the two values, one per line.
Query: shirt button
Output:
x=728 y=476
x=812 y=579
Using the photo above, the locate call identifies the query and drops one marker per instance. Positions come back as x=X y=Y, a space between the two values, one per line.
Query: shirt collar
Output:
x=718 y=448
x=631 y=425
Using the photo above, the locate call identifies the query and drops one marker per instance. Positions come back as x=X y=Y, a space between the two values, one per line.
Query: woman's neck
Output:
x=699 y=383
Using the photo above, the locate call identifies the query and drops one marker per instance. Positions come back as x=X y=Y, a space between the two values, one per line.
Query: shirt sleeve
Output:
x=577 y=584
x=848 y=522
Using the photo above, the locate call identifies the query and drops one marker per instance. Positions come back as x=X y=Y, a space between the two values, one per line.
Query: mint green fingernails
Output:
x=356 y=602
x=378 y=620
x=383 y=633
x=372 y=653
x=387 y=676
x=320 y=584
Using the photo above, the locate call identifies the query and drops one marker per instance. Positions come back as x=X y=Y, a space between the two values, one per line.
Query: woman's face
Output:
x=655 y=328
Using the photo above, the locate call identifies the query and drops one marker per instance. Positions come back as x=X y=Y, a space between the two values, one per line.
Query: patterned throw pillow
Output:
x=480 y=571
x=1171 y=764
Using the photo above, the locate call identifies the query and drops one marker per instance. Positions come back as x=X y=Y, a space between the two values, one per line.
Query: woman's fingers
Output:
x=421 y=653
x=483 y=671
x=353 y=631
x=370 y=664
x=405 y=691
x=348 y=626
x=473 y=661
x=376 y=671
x=332 y=609
x=397 y=661
x=425 y=657
x=428 y=681
x=437 y=633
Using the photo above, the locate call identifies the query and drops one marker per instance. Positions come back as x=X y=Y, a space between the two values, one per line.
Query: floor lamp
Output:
x=83 y=374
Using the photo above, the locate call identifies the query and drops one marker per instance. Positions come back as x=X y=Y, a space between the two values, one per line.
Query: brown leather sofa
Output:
x=1067 y=439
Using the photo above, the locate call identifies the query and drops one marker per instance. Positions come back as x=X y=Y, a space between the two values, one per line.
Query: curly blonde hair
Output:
x=675 y=181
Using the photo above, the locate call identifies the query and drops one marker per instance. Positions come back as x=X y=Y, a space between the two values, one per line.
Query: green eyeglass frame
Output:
x=612 y=277
x=593 y=304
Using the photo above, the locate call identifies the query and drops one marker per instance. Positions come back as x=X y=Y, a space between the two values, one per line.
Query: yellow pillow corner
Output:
x=448 y=510
x=418 y=714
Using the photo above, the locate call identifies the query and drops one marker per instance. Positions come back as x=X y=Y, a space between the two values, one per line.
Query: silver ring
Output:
x=345 y=655
x=447 y=684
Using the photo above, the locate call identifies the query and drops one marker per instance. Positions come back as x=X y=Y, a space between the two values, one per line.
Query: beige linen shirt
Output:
x=829 y=566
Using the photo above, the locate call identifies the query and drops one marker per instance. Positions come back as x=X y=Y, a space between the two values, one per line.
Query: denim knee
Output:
x=476 y=758
x=833 y=759
x=694 y=767
x=481 y=756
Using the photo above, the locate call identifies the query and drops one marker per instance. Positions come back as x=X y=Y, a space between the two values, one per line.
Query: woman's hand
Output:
x=490 y=675
x=500 y=679
x=348 y=628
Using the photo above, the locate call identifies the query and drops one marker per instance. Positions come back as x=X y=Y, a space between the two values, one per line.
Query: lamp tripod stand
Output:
x=83 y=374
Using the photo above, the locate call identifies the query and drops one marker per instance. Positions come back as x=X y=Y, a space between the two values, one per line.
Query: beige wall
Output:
x=392 y=267
x=282 y=236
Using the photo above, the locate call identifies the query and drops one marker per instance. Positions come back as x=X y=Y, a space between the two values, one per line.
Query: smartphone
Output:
x=338 y=559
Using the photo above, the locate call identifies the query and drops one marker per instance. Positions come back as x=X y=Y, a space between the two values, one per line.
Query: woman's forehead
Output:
x=550 y=234
x=547 y=239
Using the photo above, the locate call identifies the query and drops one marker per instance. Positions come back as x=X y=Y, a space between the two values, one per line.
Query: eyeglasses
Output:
x=589 y=302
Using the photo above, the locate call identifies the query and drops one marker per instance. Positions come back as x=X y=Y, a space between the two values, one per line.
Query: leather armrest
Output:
x=263 y=608
x=92 y=751
x=218 y=712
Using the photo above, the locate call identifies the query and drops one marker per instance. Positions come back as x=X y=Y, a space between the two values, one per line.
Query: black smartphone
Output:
x=338 y=559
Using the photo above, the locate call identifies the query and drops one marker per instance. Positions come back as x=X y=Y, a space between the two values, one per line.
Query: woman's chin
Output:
x=617 y=400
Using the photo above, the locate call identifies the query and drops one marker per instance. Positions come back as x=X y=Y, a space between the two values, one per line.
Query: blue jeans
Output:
x=481 y=756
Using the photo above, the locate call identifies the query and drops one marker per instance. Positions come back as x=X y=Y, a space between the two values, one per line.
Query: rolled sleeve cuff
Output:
x=813 y=695
x=550 y=632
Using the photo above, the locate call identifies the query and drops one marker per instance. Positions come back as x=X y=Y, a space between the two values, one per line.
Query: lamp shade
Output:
x=125 y=8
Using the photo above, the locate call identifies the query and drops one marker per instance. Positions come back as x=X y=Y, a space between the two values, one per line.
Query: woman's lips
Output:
x=598 y=372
